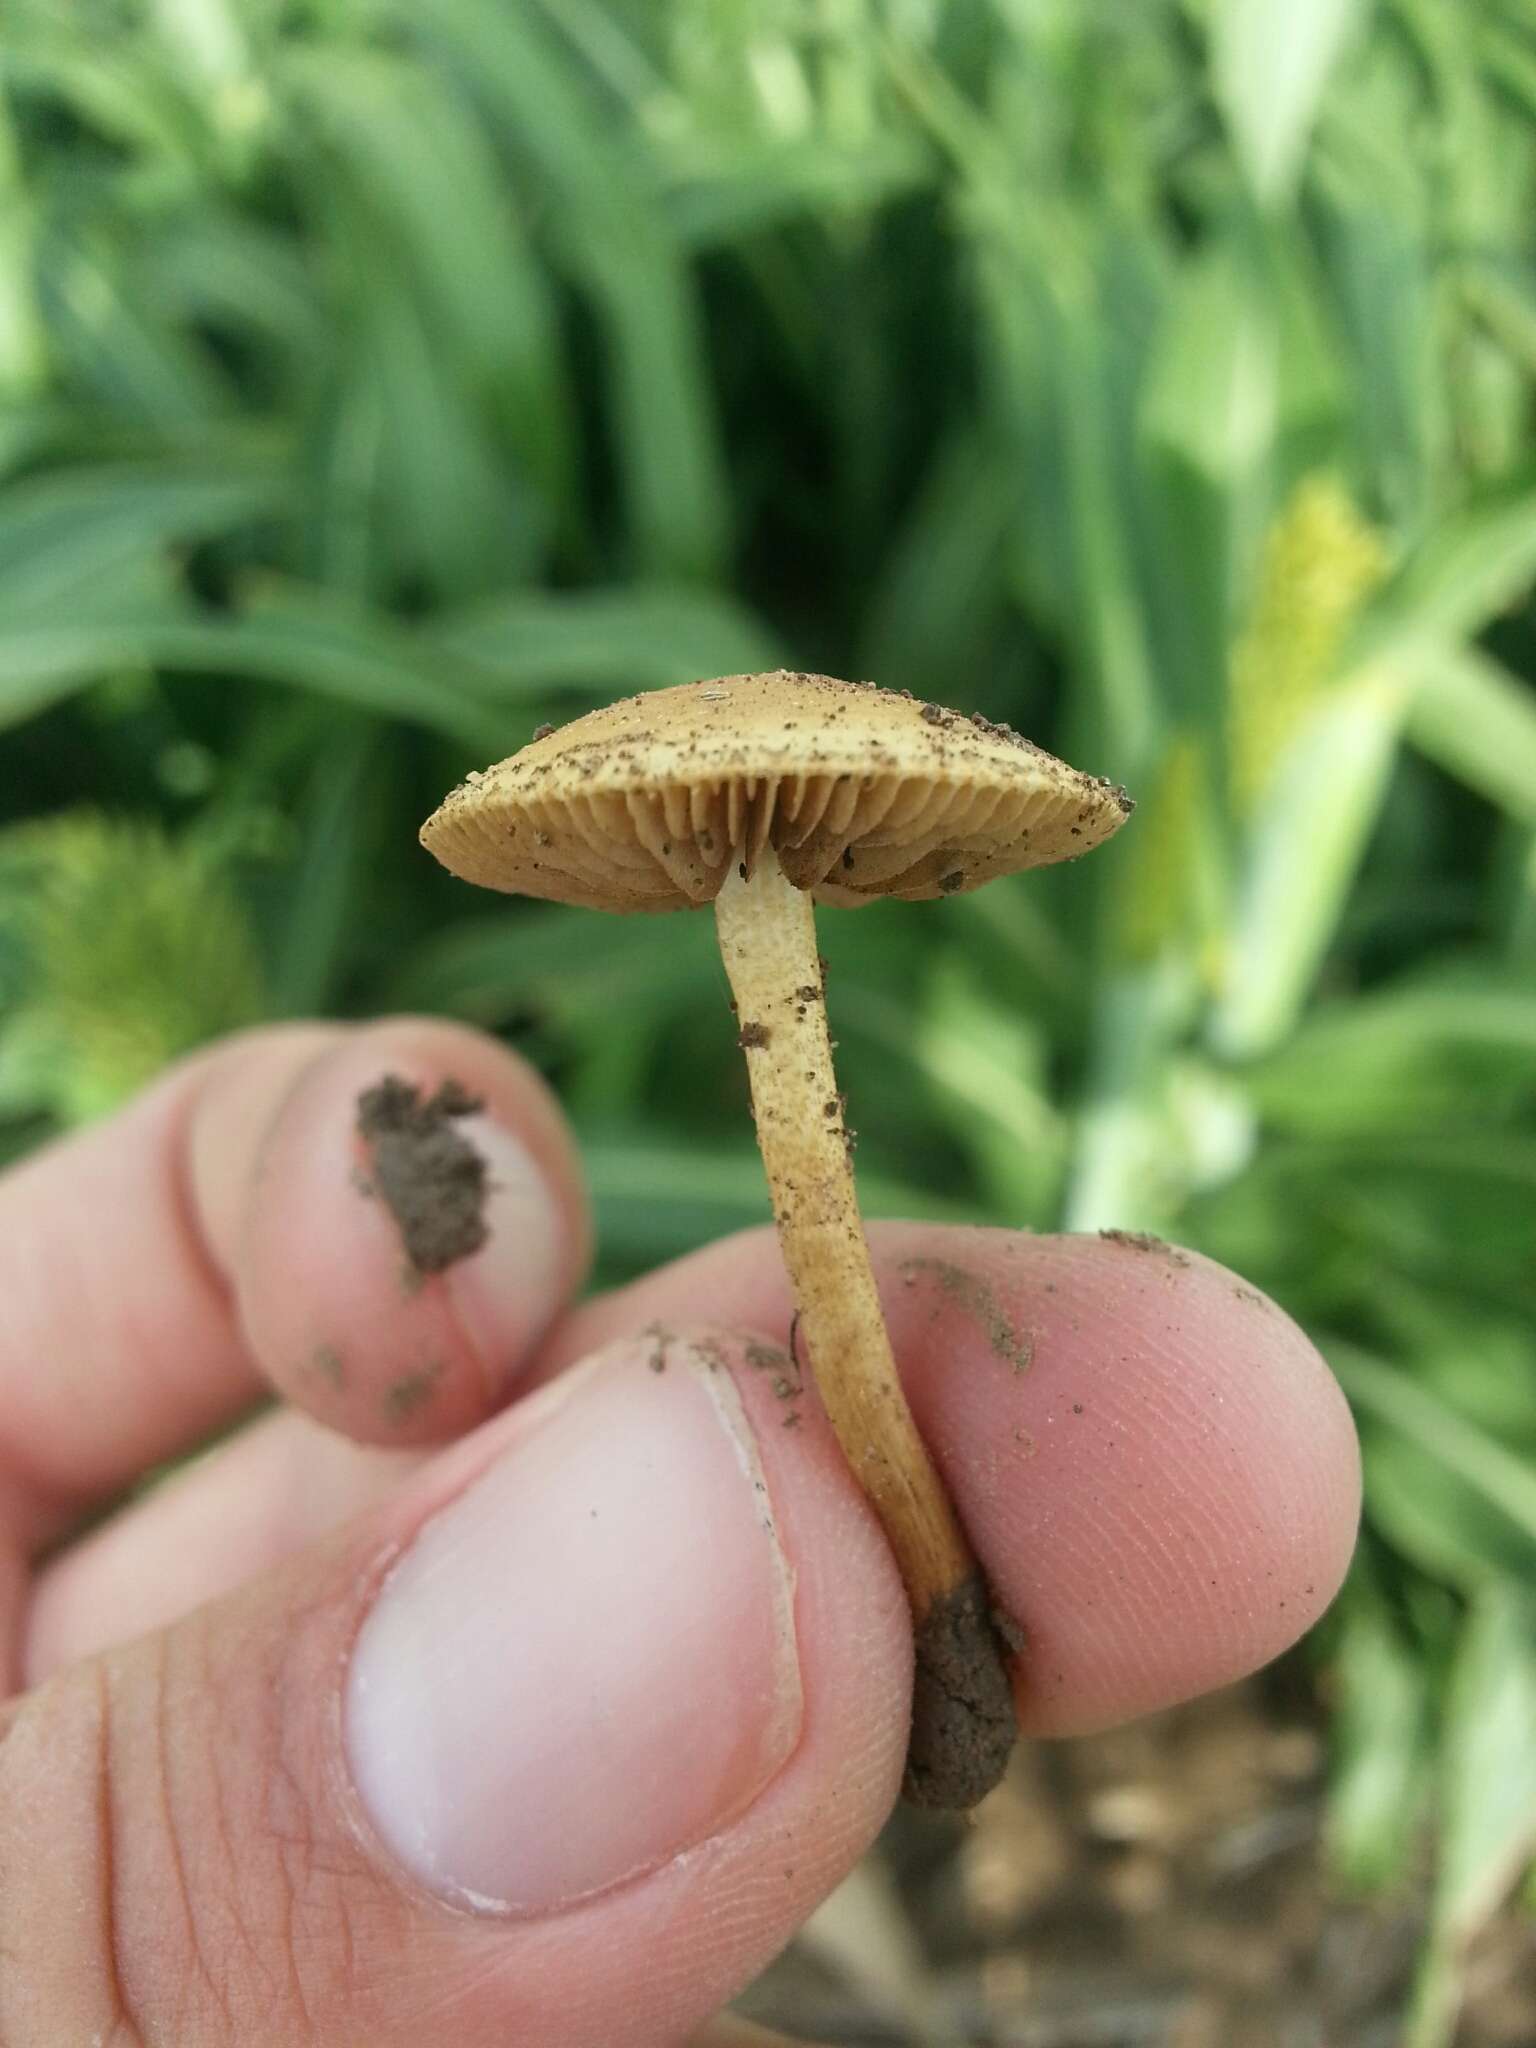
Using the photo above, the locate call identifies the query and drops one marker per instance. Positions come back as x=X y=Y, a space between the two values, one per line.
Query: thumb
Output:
x=557 y=1747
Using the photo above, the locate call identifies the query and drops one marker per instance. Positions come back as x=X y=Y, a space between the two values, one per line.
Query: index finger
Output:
x=229 y=1232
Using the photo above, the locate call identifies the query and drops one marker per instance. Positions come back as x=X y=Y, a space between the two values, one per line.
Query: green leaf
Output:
x=983 y=1061
x=115 y=86
x=1430 y=1050
x=615 y=241
x=1123 y=1171
x=205 y=39
x=1383 y=283
x=124 y=359
x=295 y=639
x=1272 y=61
x=1478 y=722
x=1380 y=1746
x=337 y=820
x=1241 y=395
x=1488 y=1818
x=308 y=639
x=937 y=602
x=65 y=533
x=632 y=638
x=421 y=179
x=447 y=516
x=1436 y=1519
x=1505 y=1481
x=1108 y=609
x=1488 y=1799
x=718 y=194
x=217 y=267
x=573 y=964
x=1473 y=566
x=1305 y=846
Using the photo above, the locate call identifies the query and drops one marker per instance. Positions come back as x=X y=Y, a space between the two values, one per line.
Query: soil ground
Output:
x=1160 y=1886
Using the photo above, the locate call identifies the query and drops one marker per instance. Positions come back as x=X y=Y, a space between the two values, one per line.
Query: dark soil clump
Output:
x=963 y=1725
x=427 y=1174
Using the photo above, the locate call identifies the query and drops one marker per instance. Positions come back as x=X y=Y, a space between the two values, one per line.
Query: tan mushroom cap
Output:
x=863 y=792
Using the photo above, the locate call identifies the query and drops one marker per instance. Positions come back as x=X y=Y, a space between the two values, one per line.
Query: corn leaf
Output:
x=1272 y=60
x=1478 y=722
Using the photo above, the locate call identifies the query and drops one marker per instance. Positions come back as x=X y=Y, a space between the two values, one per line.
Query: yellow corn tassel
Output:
x=1321 y=562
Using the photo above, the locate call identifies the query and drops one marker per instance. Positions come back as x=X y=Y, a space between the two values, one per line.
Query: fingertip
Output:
x=1166 y=1496
x=234 y=1101
x=401 y=1214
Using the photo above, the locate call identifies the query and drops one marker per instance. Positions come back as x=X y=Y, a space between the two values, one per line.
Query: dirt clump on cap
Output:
x=427 y=1174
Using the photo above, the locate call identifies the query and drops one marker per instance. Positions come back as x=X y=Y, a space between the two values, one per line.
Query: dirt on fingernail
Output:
x=427 y=1174
x=964 y=1724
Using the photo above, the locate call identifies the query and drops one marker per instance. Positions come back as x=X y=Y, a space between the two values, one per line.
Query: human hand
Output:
x=551 y=1733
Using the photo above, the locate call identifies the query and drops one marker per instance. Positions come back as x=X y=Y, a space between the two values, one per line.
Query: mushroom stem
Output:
x=963 y=1717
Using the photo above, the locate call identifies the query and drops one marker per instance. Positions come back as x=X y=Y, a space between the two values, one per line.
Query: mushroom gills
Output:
x=851 y=835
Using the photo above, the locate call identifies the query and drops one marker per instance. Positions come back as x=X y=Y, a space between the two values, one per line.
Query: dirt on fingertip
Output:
x=411 y=1393
x=1144 y=1241
x=427 y=1173
x=977 y=1297
x=325 y=1363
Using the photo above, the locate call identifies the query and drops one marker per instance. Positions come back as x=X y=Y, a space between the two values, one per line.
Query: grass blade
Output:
x=1488 y=1799
x=1272 y=61
x=64 y=534
x=1504 y=1479
x=1478 y=722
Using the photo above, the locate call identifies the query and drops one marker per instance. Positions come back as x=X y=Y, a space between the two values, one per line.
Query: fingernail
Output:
x=586 y=1663
x=508 y=1290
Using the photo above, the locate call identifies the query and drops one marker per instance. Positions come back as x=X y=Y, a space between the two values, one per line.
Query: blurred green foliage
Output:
x=379 y=379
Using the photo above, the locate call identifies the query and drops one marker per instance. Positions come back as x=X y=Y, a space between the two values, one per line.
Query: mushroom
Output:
x=757 y=793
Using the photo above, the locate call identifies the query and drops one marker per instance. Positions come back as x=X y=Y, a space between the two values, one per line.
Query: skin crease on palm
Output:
x=528 y=1672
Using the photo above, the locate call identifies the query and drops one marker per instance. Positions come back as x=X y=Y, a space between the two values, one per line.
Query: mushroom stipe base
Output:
x=964 y=1723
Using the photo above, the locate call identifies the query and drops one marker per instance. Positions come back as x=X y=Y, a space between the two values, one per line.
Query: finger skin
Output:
x=154 y=1268
x=197 y=1784
x=1158 y=1473
x=344 y=1327
x=210 y=1878
x=1164 y=1497
x=245 y=1507
x=115 y=1328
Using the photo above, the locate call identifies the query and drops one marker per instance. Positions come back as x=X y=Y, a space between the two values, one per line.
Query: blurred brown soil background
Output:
x=1163 y=1885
